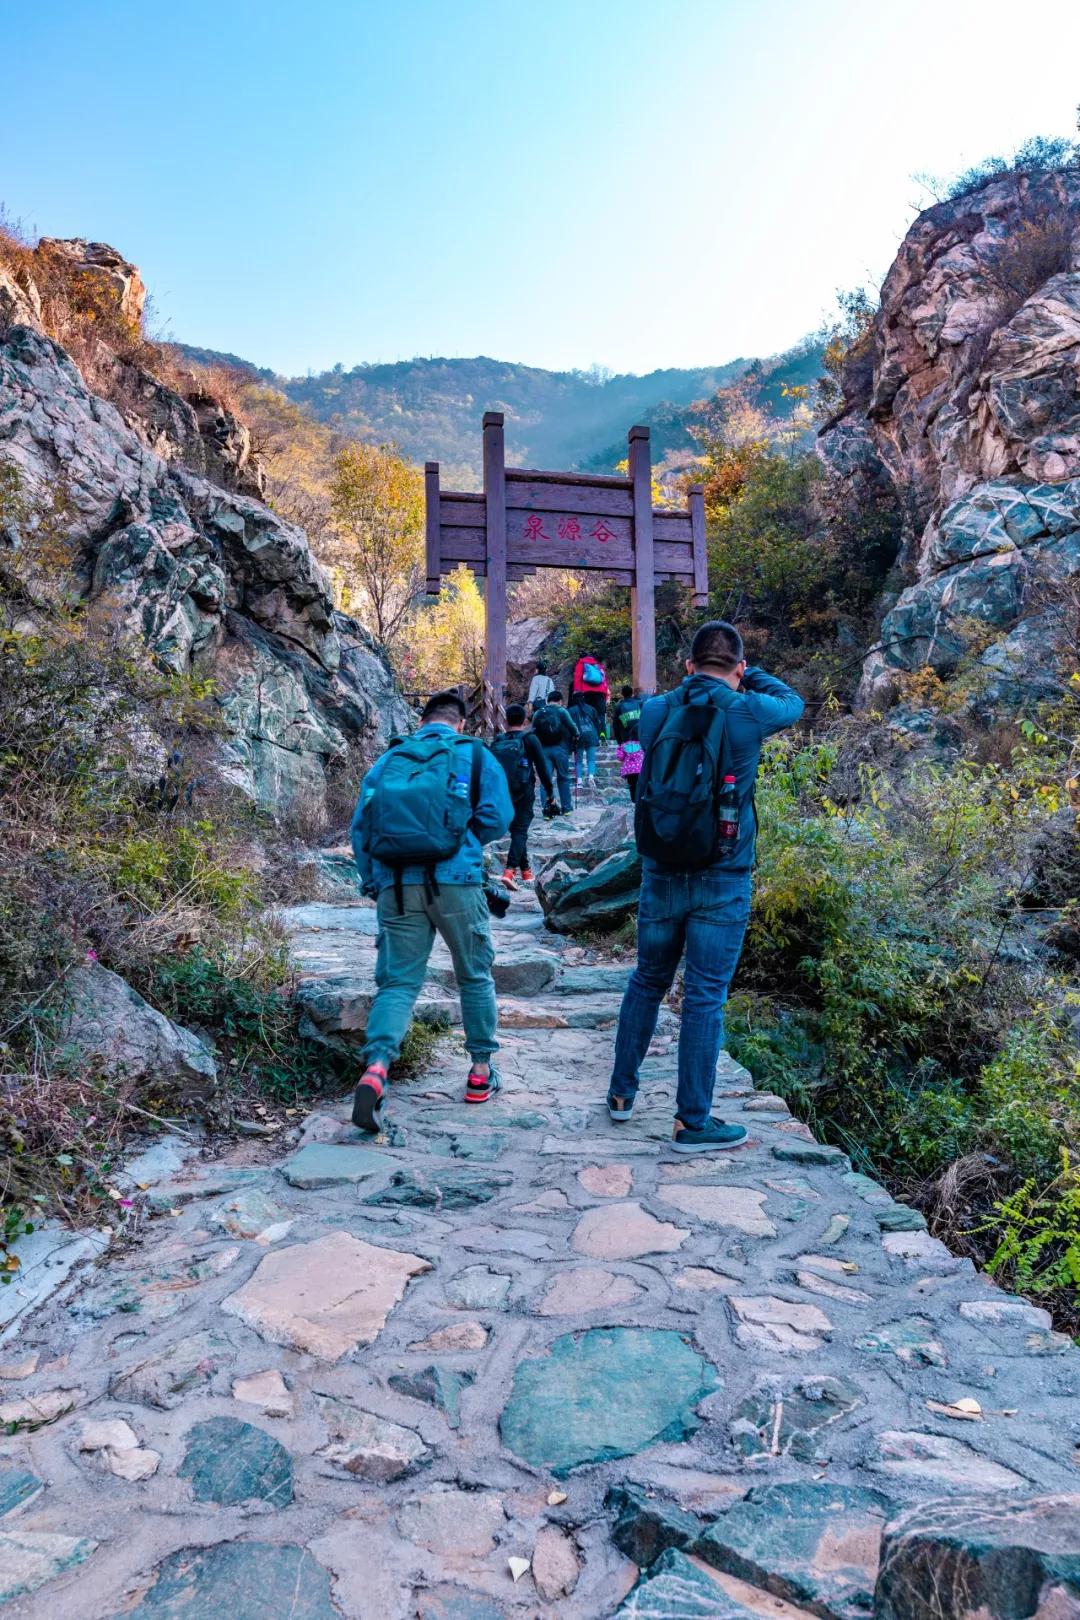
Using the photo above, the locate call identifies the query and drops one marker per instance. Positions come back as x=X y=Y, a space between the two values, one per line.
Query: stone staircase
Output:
x=519 y=1363
x=608 y=780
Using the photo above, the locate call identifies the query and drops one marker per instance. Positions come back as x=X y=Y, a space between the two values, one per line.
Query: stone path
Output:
x=381 y=1381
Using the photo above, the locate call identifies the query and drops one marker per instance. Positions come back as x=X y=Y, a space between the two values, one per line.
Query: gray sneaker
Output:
x=713 y=1134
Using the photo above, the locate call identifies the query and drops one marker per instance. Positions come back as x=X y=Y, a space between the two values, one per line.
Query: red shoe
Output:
x=526 y=875
x=508 y=878
x=367 y=1099
x=480 y=1088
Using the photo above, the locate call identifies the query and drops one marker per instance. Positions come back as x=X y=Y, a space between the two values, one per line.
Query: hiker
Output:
x=626 y=716
x=696 y=827
x=584 y=717
x=426 y=810
x=540 y=687
x=521 y=756
x=625 y=721
x=590 y=683
x=558 y=735
x=631 y=756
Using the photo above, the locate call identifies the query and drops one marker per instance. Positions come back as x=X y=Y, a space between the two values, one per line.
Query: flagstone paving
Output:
x=514 y=1361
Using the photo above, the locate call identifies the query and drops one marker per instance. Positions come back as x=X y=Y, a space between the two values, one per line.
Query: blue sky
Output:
x=587 y=181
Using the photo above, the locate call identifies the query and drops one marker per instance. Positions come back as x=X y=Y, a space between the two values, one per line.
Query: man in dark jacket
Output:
x=704 y=911
x=558 y=736
x=519 y=753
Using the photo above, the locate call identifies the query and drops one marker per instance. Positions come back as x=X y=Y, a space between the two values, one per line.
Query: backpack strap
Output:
x=474 y=774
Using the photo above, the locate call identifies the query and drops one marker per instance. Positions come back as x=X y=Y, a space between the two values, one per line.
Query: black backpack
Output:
x=548 y=725
x=509 y=750
x=676 y=817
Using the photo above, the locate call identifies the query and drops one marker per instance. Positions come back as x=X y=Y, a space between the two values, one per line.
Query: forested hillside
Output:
x=430 y=409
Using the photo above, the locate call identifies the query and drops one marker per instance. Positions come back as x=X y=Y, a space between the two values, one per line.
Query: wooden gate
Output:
x=526 y=520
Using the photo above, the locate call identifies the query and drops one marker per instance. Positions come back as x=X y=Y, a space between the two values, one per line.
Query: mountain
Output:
x=431 y=408
x=765 y=384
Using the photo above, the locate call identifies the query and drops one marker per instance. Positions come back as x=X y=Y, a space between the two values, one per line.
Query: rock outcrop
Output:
x=594 y=883
x=111 y=1025
x=211 y=580
x=973 y=413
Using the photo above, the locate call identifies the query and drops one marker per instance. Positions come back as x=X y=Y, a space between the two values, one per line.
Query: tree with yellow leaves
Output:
x=444 y=643
x=376 y=544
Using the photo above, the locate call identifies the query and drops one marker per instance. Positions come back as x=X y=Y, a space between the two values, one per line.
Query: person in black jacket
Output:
x=627 y=716
x=521 y=756
x=558 y=736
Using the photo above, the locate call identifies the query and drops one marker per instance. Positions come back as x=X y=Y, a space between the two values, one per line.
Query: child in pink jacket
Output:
x=631 y=757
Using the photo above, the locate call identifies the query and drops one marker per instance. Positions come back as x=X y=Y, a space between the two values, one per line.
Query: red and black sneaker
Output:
x=367 y=1099
x=480 y=1088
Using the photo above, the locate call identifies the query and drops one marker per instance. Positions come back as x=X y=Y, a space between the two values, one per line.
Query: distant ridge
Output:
x=431 y=408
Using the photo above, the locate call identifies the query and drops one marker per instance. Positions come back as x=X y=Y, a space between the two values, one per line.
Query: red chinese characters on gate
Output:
x=567 y=528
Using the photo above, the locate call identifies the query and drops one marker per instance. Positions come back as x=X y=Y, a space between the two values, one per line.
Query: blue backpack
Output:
x=418 y=811
x=592 y=675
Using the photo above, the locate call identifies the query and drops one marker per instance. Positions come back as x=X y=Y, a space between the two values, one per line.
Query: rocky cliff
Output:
x=173 y=547
x=969 y=403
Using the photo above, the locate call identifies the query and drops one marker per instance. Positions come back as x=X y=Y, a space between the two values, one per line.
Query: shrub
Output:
x=1038 y=1241
x=120 y=848
x=884 y=991
x=247 y=1007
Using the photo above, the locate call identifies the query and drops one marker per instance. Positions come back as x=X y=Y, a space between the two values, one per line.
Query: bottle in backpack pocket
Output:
x=727 y=805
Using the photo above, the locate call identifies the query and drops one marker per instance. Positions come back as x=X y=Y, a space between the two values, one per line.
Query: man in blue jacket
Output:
x=704 y=911
x=415 y=905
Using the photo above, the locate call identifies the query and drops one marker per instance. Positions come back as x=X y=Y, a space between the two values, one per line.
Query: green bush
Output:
x=1038 y=1247
x=878 y=992
x=253 y=1023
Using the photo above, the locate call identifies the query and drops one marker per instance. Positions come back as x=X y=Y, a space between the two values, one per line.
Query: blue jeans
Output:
x=706 y=913
x=558 y=759
x=586 y=757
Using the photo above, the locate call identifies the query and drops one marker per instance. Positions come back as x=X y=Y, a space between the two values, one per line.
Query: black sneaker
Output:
x=713 y=1134
x=620 y=1108
x=367 y=1100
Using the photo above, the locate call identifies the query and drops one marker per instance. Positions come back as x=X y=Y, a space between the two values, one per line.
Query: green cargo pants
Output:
x=458 y=912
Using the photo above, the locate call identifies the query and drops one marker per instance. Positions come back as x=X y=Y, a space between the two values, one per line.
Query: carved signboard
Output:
x=526 y=520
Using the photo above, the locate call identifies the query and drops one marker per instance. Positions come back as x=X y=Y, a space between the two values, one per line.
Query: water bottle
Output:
x=728 y=809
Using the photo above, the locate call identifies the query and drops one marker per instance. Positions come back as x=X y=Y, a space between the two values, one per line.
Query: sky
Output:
x=628 y=183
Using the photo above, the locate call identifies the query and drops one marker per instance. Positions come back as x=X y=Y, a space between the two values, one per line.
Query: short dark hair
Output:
x=627 y=692
x=541 y=667
x=554 y=697
x=718 y=644
x=515 y=714
x=444 y=705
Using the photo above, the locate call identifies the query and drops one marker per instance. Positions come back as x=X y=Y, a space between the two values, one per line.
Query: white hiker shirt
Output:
x=540 y=688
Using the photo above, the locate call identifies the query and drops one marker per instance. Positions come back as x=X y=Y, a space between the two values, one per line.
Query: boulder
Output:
x=808 y=1543
x=209 y=579
x=109 y=1023
x=113 y=278
x=982 y=1558
x=527 y=640
x=20 y=301
x=578 y=895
